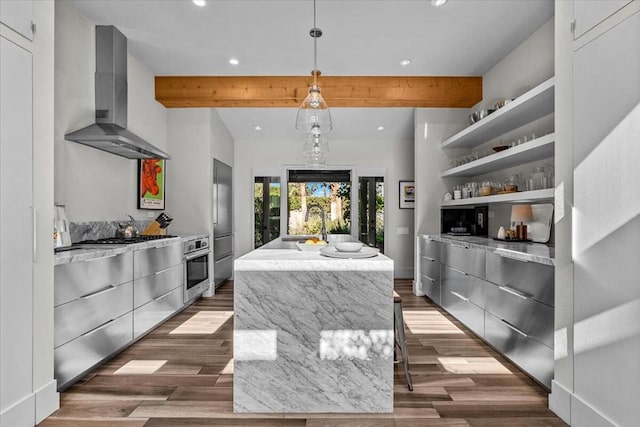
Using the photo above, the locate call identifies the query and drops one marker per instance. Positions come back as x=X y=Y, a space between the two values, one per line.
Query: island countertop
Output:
x=312 y=334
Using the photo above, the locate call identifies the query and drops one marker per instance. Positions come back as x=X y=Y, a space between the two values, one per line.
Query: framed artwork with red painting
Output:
x=151 y=181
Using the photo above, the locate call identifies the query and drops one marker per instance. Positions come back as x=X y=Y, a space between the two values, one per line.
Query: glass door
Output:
x=266 y=198
x=371 y=211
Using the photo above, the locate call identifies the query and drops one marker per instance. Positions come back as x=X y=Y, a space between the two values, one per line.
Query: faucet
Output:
x=324 y=228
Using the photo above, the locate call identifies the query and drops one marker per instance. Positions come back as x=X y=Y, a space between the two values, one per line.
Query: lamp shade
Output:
x=315 y=146
x=521 y=213
x=314 y=112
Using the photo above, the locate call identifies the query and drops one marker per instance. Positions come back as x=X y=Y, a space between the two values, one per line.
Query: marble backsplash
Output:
x=93 y=230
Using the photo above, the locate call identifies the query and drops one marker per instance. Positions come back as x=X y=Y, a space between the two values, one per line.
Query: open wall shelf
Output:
x=523 y=196
x=538 y=149
x=530 y=106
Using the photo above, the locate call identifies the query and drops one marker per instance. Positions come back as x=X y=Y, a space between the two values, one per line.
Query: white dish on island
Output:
x=365 y=252
x=310 y=246
x=348 y=246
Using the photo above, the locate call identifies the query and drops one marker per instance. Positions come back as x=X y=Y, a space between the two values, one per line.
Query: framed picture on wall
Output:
x=407 y=195
x=151 y=183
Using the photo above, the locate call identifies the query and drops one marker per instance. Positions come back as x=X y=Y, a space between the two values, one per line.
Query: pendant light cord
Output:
x=315 y=47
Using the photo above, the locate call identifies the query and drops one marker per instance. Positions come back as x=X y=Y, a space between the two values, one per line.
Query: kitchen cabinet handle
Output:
x=98 y=292
x=458 y=271
x=34 y=231
x=103 y=257
x=513 y=292
x=430 y=259
x=97 y=328
x=215 y=195
x=163 y=271
x=513 y=328
x=223 y=258
x=507 y=255
x=465 y=299
x=163 y=295
x=429 y=278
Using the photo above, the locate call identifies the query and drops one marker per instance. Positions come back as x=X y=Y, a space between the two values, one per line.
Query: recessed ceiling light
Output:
x=405 y=62
x=199 y=2
x=438 y=3
x=257 y=127
x=380 y=127
x=234 y=61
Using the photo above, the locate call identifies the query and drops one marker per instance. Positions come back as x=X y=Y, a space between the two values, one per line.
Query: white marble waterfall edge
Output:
x=312 y=339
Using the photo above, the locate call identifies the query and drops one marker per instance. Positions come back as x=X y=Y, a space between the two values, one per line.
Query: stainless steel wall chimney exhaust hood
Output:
x=109 y=132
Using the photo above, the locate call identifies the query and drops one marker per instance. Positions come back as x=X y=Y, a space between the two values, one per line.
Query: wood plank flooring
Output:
x=181 y=375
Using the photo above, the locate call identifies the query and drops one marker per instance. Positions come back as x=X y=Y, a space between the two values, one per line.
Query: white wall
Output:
x=394 y=157
x=95 y=185
x=522 y=69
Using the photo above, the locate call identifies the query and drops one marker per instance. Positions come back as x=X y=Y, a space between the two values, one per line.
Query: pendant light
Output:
x=316 y=149
x=314 y=111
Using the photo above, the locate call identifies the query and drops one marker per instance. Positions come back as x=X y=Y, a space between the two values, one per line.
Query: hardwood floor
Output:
x=181 y=374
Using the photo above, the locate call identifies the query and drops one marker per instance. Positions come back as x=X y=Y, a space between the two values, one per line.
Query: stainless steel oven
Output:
x=196 y=267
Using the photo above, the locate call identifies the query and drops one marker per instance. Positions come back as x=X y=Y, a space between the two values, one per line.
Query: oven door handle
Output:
x=189 y=257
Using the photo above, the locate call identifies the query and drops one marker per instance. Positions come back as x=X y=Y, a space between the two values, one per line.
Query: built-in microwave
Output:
x=471 y=221
x=196 y=267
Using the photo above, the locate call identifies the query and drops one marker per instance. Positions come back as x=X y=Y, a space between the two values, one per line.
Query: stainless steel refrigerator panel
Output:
x=222 y=198
x=222 y=269
x=222 y=246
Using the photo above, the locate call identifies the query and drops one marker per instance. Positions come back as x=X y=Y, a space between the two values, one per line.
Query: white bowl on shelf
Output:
x=348 y=246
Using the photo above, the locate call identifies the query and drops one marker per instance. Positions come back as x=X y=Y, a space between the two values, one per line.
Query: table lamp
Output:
x=521 y=214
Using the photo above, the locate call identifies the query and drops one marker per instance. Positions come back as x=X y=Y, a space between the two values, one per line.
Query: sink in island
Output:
x=312 y=334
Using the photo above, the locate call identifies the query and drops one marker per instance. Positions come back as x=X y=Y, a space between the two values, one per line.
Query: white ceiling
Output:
x=271 y=37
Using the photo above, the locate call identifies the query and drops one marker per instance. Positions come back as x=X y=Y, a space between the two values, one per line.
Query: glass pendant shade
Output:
x=316 y=162
x=314 y=111
x=315 y=146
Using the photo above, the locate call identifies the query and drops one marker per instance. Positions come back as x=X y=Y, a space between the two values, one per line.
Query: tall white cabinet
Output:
x=27 y=388
x=16 y=228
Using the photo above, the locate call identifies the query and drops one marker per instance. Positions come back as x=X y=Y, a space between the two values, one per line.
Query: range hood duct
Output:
x=109 y=132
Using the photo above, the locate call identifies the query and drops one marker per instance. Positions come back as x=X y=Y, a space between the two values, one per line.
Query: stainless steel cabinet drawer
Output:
x=431 y=288
x=531 y=355
x=430 y=267
x=148 y=261
x=80 y=278
x=148 y=288
x=531 y=317
x=529 y=278
x=430 y=248
x=463 y=309
x=90 y=311
x=465 y=285
x=150 y=314
x=77 y=356
x=464 y=258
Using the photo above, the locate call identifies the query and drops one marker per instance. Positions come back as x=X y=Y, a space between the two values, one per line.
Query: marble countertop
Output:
x=100 y=251
x=534 y=252
x=296 y=260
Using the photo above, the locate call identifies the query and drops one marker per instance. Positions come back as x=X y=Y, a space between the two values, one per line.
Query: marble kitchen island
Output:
x=312 y=334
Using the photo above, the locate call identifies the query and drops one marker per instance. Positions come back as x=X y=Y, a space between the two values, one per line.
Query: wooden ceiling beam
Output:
x=338 y=91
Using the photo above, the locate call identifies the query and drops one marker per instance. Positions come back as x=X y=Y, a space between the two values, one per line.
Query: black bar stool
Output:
x=400 y=337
